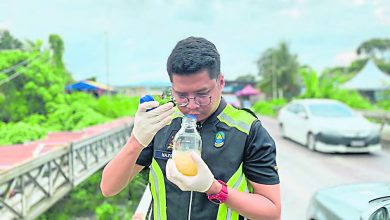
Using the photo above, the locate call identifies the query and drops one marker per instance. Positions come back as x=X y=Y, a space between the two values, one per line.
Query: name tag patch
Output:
x=164 y=155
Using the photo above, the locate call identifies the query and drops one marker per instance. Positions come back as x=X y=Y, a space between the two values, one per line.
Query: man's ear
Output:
x=221 y=81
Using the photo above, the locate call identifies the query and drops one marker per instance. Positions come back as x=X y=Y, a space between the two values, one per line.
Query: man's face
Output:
x=198 y=85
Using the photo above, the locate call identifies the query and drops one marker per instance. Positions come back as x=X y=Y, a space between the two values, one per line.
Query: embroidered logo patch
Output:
x=163 y=155
x=219 y=139
x=170 y=140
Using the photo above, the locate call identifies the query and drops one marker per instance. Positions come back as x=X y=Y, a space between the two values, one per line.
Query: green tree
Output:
x=311 y=81
x=328 y=87
x=375 y=48
x=57 y=47
x=357 y=65
x=33 y=46
x=36 y=85
x=33 y=102
x=278 y=70
x=8 y=42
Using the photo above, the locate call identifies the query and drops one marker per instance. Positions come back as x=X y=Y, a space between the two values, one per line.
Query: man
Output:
x=237 y=172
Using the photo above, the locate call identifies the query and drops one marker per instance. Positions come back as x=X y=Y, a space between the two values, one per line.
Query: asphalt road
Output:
x=302 y=172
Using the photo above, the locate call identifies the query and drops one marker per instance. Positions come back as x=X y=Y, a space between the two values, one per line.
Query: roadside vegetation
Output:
x=87 y=201
x=283 y=78
x=33 y=99
x=33 y=102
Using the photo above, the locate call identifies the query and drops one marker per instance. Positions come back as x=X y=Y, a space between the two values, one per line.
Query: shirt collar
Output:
x=213 y=117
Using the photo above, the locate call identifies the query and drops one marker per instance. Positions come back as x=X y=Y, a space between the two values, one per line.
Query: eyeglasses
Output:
x=183 y=101
x=201 y=100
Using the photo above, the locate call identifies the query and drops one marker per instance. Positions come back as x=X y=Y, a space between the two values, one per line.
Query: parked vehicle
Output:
x=328 y=126
x=365 y=201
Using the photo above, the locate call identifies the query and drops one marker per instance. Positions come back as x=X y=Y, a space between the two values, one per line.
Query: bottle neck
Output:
x=188 y=122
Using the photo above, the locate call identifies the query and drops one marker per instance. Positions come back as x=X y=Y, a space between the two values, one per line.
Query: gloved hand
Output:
x=147 y=124
x=201 y=182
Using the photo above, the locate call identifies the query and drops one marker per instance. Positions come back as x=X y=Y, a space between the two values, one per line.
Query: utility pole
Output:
x=274 y=79
x=107 y=62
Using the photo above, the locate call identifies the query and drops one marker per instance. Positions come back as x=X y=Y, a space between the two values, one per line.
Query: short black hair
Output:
x=194 y=54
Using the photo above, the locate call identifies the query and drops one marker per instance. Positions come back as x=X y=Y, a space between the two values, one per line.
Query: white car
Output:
x=328 y=126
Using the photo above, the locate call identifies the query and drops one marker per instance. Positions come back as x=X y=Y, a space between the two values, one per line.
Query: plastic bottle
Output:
x=187 y=140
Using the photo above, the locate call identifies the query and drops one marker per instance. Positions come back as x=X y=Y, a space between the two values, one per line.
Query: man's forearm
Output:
x=119 y=171
x=252 y=206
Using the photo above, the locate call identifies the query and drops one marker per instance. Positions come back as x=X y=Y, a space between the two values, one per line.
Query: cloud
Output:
x=292 y=13
x=143 y=33
x=381 y=8
x=345 y=58
x=383 y=14
x=359 y=2
x=5 y=25
x=294 y=1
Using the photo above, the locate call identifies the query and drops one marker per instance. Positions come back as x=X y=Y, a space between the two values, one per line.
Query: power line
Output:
x=14 y=67
x=16 y=74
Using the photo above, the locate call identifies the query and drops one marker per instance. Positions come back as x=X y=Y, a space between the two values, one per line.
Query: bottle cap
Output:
x=190 y=116
x=146 y=98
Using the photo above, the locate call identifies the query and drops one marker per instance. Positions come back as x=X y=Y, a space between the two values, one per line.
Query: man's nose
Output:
x=192 y=104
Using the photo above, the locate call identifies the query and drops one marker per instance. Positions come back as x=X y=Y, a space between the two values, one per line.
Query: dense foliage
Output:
x=8 y=42
x=269 y=108
x=348 y=72
x=57 y=46
x=375 y=48
x=34 y=102
x=276 y=84
x=328 y=87
x=32 y=87
x=87 y=201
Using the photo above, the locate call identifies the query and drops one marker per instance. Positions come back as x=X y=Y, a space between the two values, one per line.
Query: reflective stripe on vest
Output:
x=239 y=182
x=230 y=115
x=157 y=186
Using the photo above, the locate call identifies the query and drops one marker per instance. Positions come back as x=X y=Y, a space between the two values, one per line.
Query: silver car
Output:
x=366 y=201
x=328 y=126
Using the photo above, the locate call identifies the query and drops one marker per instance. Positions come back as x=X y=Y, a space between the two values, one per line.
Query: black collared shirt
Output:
x=255 y=151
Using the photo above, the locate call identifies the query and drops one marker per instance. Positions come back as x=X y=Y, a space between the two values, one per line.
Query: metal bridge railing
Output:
x=28 y=190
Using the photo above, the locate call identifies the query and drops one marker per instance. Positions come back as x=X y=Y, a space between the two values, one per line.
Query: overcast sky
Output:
x=141 y=34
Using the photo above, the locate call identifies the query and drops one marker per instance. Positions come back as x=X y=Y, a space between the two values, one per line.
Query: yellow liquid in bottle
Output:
x=185 y=164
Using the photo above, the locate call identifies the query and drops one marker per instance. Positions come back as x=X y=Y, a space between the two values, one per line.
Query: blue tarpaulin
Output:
x=87 y=85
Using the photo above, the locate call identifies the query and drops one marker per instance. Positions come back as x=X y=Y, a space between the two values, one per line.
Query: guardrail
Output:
x=30 y=189
x=384 y=120
x=383 y=117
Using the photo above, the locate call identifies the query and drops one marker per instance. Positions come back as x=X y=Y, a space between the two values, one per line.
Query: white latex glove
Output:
x=147 y=124
x=200 y=183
